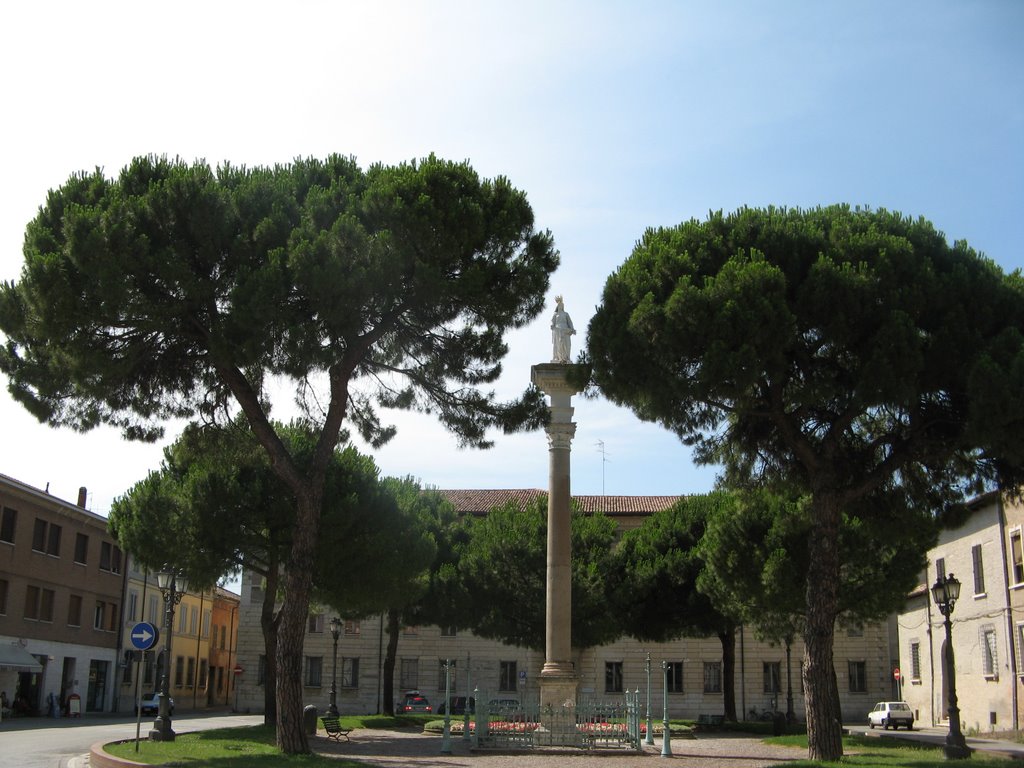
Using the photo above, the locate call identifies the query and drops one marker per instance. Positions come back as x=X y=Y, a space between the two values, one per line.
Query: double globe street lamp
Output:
x=945 y=592
x=173 y=584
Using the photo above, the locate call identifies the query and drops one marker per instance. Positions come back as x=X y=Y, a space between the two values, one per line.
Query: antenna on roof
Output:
x=604 y=460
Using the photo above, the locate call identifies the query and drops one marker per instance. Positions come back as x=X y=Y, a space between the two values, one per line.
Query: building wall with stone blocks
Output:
x=493 y=670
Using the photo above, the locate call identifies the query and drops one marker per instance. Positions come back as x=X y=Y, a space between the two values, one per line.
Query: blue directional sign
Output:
x=144 y=636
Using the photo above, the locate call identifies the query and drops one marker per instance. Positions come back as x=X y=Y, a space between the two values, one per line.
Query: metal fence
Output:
x=589 y=724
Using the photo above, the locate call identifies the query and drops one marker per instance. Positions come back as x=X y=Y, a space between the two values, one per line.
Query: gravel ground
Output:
x=395 y=749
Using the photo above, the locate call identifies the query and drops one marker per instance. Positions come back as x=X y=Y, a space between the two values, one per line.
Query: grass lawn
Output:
x=245 y=747
x=866 y=752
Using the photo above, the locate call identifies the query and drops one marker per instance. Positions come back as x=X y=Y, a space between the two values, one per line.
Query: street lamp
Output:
x=945 y=592
x=649 y=738
x=332 y=710
x=173 y=584
x=666 y=736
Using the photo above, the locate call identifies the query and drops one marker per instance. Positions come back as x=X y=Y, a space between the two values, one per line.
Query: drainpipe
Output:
x=1014 y=682
x=199 y=636
x=743 y=676
x=931 y=649
x=119 y=652
x=232 y=685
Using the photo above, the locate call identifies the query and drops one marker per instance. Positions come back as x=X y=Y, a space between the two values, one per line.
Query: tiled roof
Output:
x=482 y=501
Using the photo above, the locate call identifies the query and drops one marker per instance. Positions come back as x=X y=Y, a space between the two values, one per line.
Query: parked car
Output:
x=411 y=702
x=150 y=704
x=458 y=705
x=891 y=713
x=495 y=706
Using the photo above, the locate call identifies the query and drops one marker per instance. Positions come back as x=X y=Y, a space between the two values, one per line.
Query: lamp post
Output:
x=649 y=737
x=332 y=710
x=666 y=736
x=173 y=585
x=446 y=739
x=945 y=592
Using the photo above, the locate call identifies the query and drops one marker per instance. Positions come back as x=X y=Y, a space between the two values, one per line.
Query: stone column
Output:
x=558 y=678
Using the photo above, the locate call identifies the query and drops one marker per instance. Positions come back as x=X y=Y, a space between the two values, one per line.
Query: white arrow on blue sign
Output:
x=144 y=636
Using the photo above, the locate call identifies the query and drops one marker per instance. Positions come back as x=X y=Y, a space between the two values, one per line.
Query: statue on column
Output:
x=561 y=330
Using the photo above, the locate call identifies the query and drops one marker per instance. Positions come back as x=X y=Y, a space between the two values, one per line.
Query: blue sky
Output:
x=613 y=117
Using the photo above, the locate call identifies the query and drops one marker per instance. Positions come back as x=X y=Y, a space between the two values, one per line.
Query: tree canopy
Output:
x=503 y=567
x=176 y=290
x=839 y=351
x=653 y=578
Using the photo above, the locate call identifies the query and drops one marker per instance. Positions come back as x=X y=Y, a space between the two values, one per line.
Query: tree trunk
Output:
x=268 y=623
x=291 y=627
x=824 y=721
x=728 y=640
x=394 y=617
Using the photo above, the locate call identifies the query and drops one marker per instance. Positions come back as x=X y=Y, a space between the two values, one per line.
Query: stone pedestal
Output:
x=558 y=678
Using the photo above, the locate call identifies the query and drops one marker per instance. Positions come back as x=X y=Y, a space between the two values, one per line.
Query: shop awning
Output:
x=16 y=657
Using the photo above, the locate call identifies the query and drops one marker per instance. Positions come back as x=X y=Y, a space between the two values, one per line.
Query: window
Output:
x=38 y=603
x=110 y=557
x=153 y=611
x=409 y=675
x=46 y=537
x=220 y=679
x=613 y=677
x=351 y=627
x=129 y=665
x=772 y=676
x=261 y=670
x=508 y=676
x=440 y=673
x=940 y=568
x=223 y=636
x=314 y=671
x=105 y=616
x=989 y=660
x=412 y=630
x=75 y=611
x=979 y=570
x=915 y=660
x=7 y=524
x=182 y=619
x=147 y=668
x=193 y=625
x=712 y=677
x=448 y=631
x=674 y=672
x=316 y=622
x=179 y=672
x=349 y=673
x=3 y=597
x=858 y=676
x=81 y=548
x=190 y=678
x=133 y=605
x=202 y=674
x=1017 y=556
x=206 y=623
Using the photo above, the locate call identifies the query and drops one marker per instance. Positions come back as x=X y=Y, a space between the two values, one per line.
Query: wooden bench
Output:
x=709 y=722
x=334 y=730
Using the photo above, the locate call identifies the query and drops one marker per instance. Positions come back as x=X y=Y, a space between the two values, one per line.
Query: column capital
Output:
x=560 y=434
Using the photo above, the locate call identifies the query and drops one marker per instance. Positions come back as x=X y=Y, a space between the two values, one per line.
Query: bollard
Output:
x=309 y=718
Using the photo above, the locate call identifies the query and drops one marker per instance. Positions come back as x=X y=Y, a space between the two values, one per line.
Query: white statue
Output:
x=561 y=330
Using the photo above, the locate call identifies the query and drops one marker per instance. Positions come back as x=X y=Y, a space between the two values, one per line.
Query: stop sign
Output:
x=896 y=674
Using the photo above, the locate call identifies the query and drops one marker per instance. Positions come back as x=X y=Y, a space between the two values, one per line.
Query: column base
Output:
x=558 y=684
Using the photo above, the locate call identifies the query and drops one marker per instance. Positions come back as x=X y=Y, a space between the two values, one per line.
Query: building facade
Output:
x=767 y=676
x=986 y=623
x=61 y=591
x=202 y=645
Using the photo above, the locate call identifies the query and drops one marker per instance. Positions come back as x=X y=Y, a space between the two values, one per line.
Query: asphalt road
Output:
x=40 y=742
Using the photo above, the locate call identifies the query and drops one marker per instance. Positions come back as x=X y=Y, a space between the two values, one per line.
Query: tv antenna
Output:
x=604 y=460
